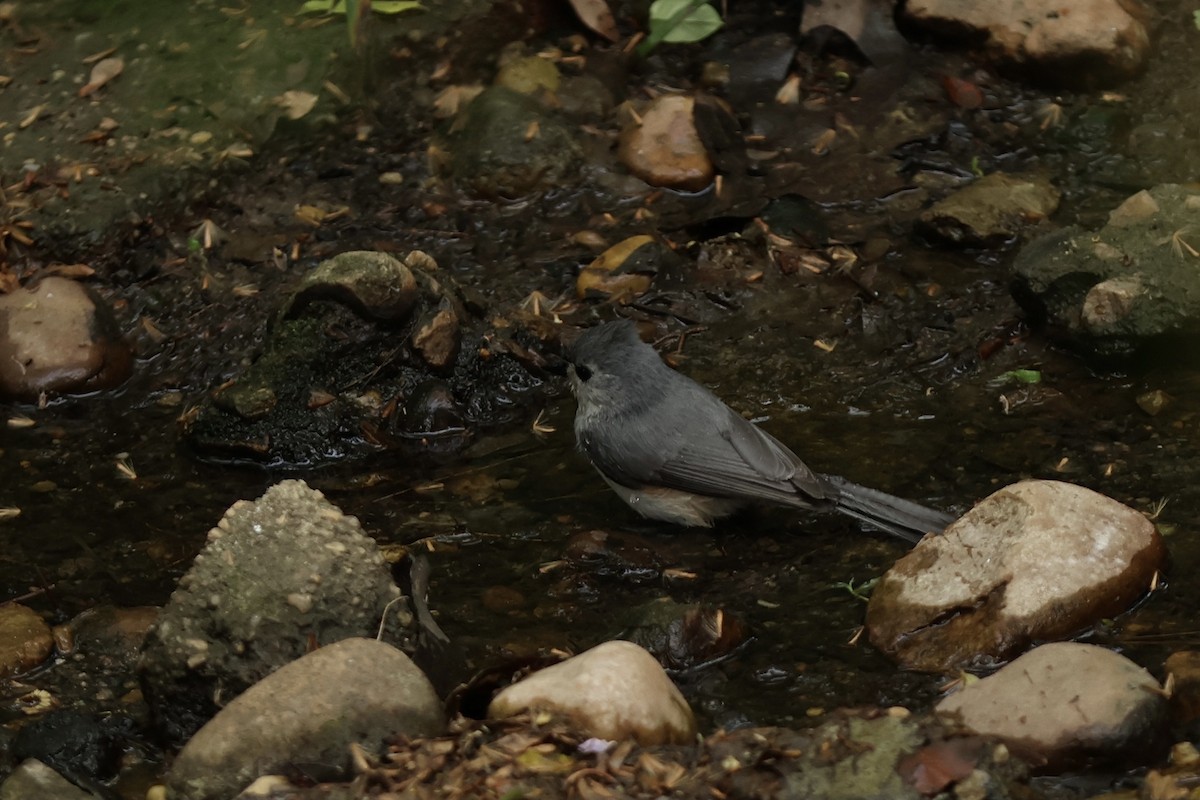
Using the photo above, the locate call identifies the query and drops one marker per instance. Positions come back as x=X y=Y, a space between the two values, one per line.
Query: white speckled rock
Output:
x=616 y=690
x=1037 y=560
x=277 y=575
x=1065 y=702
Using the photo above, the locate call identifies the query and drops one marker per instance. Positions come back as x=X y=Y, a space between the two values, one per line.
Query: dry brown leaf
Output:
x=452 y=98
x=597 y=16
x=32 y=116
x=295 y=103
x=152 y=330
x=94 y=57
x=102 y=73
x=72 y=270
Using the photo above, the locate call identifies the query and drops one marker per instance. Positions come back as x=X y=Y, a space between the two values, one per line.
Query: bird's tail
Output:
x=903 y=518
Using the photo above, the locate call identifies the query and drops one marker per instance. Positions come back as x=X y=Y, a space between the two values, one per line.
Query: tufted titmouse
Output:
x=673 y=451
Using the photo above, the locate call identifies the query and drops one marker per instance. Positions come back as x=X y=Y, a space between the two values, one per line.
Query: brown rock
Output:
x=663 y=147
x=1045 y=710
x=56 y=337
x=25 y=639
x=1034 y=561
x=437 y=339
x=991 y=210
x=1087 y=42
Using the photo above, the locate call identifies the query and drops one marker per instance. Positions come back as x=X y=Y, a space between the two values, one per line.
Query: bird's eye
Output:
x=582 y=372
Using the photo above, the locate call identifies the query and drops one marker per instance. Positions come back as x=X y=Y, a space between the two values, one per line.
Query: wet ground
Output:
x=889 y=372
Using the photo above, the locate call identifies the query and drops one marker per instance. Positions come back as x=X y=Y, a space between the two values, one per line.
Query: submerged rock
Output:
x=991 y=211
x=278 y=576
x=1034 y=561
x=80 y=747
x=663 y=147
x=308 y=714
x=1115 y=289
x=616 y=690
x=1065 y=703
x=360 y=337
x=58 y=337
x=507 y=144
x=1087 y=44
x=376 y=284
x=25 y=639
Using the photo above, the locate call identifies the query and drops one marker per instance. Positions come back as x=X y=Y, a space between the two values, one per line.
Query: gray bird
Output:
x=674 y=451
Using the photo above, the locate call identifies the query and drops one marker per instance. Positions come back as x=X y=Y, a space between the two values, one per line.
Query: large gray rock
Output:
x=1037 y=560
x=307 y=715
x=1135 y=279
x=57 y=337
x=1063 y=703
x=278 y=576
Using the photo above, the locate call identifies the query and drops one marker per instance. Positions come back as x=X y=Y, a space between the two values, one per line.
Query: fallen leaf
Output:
x=94 y=57
x=452 y=98
x=72 y=270
x=598 y=16
x=102 y=73
x=32 y=116
x=295 y=103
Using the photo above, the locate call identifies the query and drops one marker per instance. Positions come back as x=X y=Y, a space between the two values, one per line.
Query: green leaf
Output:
x=317 y=7
x=700 y=22
x=1196 y=19
x=1023 y=375
x=395 y=6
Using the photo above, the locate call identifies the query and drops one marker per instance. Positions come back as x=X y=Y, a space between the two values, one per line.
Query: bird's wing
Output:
x=739 y=460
